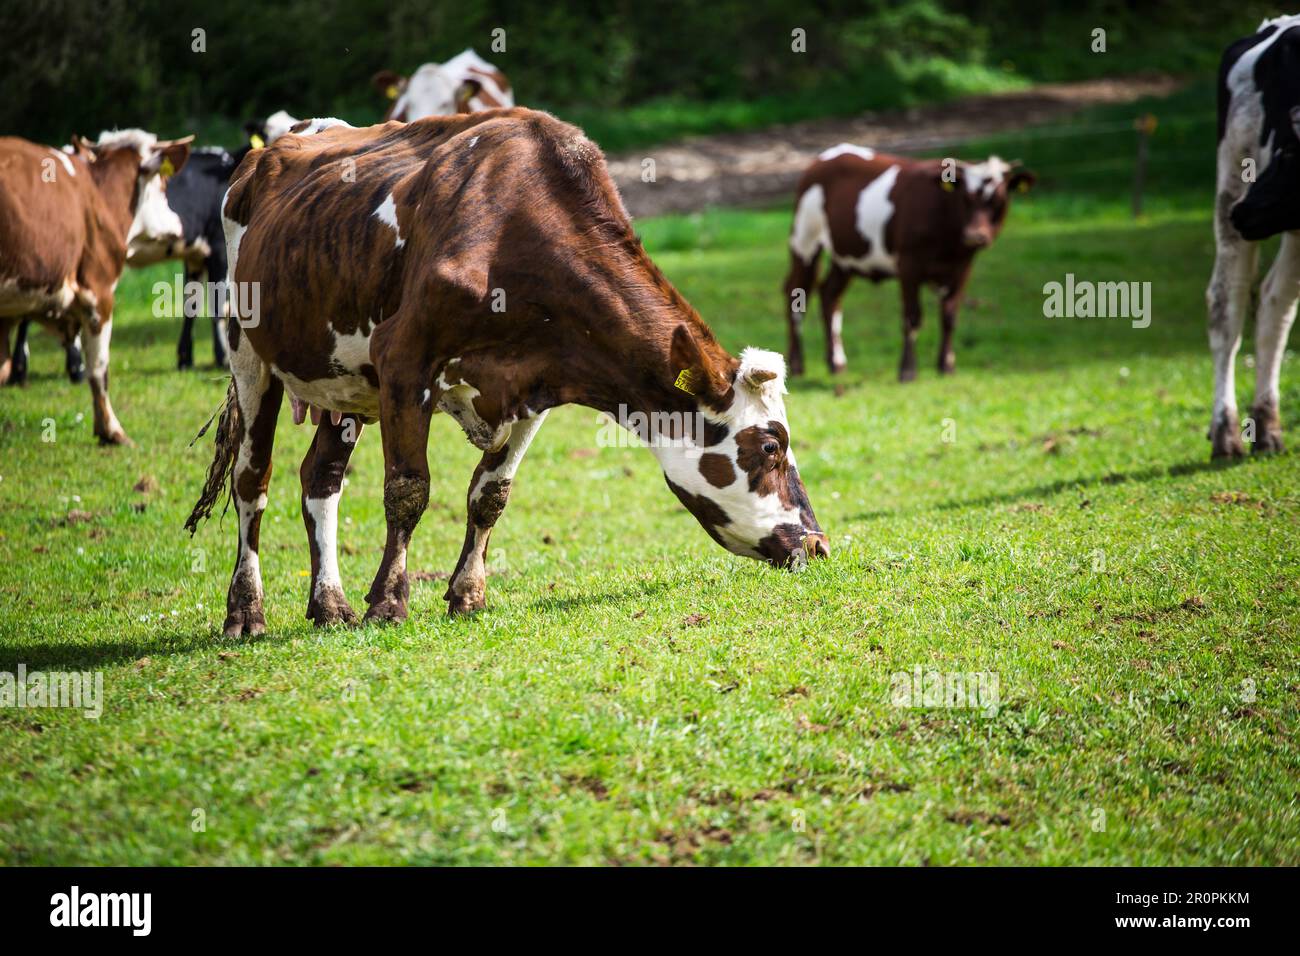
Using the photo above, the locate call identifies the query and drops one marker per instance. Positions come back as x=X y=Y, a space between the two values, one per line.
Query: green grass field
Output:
x=634 y=694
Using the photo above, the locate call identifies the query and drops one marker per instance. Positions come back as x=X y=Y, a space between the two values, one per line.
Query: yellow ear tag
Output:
x=167 y=169
x=1023 y=187
x=391 y=92
x=256 y=142
x=947 y=186
x=685 y=381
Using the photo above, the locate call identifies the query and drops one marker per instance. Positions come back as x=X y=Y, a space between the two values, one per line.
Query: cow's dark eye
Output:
x=770 y=448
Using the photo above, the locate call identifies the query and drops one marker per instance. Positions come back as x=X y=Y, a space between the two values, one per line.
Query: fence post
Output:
x=1145 y=125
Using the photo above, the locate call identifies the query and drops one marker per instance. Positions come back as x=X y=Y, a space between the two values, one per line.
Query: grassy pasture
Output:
x=634 y=694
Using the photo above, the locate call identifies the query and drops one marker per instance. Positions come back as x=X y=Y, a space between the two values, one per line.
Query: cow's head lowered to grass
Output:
x=740 y=480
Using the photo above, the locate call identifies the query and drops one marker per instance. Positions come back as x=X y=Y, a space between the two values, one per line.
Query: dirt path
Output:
x=735 y=169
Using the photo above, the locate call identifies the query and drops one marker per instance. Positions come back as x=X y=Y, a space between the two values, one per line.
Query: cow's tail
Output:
x=221 y=471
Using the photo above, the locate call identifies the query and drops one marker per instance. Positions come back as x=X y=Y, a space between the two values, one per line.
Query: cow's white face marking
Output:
x=156 y=230
x=872 y=213
x=846 y=148
x=983 y=179
x=431 y=91
x=387 y=214
x=752 y=516
x=277 y=124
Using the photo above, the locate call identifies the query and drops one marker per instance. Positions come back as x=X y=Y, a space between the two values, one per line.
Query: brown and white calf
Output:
x=884 y=217
x=1258 y=196
x=466 y=83
x=481 y=266
x=66 y=220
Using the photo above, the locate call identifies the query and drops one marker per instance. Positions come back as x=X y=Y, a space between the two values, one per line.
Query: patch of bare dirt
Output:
x=738 y=169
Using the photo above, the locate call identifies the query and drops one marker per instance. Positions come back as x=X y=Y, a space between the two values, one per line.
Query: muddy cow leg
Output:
x=799 y=284
x=322 y=484
x=96 y=332
x=405 y=406
x=18 y=372
x=1277 y=308
x=488 y=491
x=949 y=304
x=1226 y=299
x=259 y=394
x=911 y=292
x=832 y=293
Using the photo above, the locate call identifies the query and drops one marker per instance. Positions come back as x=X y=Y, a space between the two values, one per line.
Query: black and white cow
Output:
x=1258 y=196
x=194 y=196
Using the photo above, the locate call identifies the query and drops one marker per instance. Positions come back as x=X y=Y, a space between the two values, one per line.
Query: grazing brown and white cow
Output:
x=1258 y=196
x=466 y=83
x=66 y=221
x=880 y=216
x=482 y=266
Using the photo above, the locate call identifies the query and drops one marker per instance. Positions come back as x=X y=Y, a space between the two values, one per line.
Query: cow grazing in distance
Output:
x=1259 y=133
x=66 y=222
x=883 y=217
x=481 y=266
x=466 y=83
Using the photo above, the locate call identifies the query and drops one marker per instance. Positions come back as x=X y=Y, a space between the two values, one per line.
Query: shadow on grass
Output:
x=66 y=657
x=1065 y=484
x=593 y=600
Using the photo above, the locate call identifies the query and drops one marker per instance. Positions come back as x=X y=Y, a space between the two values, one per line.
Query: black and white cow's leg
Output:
x=405 y=406
x=911 y=293
x=832 y=293
x=1277 y=307
x=1227 y=299
x=799 y=284
x=215 y=273
x=322 y=485
x=259 y=394
x=489 y=490
x=949 y=304
x=185 y=345
x=73 y=362
x=22 y=352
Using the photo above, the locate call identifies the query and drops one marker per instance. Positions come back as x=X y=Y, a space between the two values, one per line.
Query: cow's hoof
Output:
x=114 y=438
x=77 y=375
x=1268 y=443
x=246 y=621
x=947 y=365
x=836 y=368
x=794 y=366
x=907 y=374
x=184 y=362
x=1225 y=441
x=461 y=605
x=330 y=609
x=386 y=612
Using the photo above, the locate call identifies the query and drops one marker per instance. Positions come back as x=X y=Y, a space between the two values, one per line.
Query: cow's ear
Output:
x=83 y=147
x=948 y=176
x=388 y=83
x=1021 y=180
x=167 y=157
x=692 y=370
x=466 y=92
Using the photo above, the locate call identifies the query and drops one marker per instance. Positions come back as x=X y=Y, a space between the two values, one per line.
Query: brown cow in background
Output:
x=65 y=222
x=879 y=216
